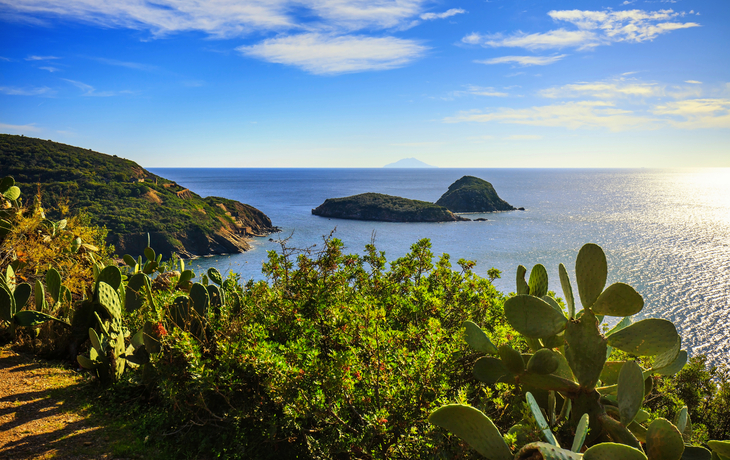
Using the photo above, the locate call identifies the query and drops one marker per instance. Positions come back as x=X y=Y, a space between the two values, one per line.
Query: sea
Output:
x=666 y=232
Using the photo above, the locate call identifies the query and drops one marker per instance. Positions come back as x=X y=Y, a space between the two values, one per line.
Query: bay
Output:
x=665 y=232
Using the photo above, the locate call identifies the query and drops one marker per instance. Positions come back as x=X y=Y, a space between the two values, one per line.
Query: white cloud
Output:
x=325 y=54
x=19 y=129
x=523 y=60
x=444 y=15
x=605 y=90
x=50 y=69
x=39 y=58
x=571 y=115
x=15 y=91
x=323 y=26
x=697 y=113
x=594 y=28
x=225 y=18
x=559 y=38
x=693 y=82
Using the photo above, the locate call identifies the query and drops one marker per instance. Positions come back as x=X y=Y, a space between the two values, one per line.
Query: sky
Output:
x=364 y=83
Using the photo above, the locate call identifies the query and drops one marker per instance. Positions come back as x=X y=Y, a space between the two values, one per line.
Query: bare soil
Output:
x=43 y=415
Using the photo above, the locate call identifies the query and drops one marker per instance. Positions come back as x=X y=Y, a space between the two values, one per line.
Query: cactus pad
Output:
x=492 y=370
x=664 y=441
x=53 y=281
x=477 y=339
x=533 y=317
x=647 y=337
x=567 y=290
x=475 y=428
x=613 y=451
x=21 y=295
x=543 y=361
x=7 y=304
x=199 y=296
x=630 y=393
x=215 y=276
x=540 y=420
x=512 y=359
x=40 y=296
x=545 y=451
x=591 y=271
x=111 y=276
x=618 y=299
x=109 y=299
x=696 y=453
x=135 y=291
x=720 y=447
x=30 y=318
x=538 y=283
x=585 y=349
x=522 y=287
x=580 y=433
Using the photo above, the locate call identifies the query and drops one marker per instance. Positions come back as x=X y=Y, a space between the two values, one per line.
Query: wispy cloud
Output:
x=3 y=58
x=325 y=54
x=88 y=90
x=697 y=113
x=50 y=69
x=693 y=82
x=594 y=28
x=324 y=26
x=227 y=18
x=474 y=90
x=129 y=65
x=40 y=58
x=444 y=15
x=571 y=115
x=523 y=60
x=15 y=91
x=19 y=128
x=604 y=90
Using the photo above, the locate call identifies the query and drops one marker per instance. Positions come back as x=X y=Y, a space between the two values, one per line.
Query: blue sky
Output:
x=355 y=83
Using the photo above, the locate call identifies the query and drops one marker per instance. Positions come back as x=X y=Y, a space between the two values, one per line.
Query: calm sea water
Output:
x=665 y=232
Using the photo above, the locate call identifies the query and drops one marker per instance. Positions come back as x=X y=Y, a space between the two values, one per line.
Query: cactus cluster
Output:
x=568 y=367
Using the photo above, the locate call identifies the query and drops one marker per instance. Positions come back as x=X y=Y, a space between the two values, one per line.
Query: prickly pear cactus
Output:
x=600 y=400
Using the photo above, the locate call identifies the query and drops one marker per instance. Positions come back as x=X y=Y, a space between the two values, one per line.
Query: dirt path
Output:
x=42 y=414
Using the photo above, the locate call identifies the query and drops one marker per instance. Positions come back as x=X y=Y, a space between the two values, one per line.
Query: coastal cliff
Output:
x=387 y=208
x=129 y=200
x=471 y=194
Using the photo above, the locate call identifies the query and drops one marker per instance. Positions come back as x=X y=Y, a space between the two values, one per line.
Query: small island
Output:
x=471 y=194
x=387 y=208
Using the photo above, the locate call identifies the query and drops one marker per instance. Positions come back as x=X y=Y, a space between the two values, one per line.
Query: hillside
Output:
x=376 y=206
x=129 y=200
x=471 y=194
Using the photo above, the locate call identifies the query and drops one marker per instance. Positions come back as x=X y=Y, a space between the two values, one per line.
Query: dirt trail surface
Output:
x=41 y=412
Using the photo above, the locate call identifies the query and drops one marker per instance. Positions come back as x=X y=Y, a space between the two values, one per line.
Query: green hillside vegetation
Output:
x=124 y=197
x=377 y=206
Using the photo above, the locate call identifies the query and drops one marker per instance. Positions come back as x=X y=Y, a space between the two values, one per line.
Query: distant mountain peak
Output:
x=409 y=163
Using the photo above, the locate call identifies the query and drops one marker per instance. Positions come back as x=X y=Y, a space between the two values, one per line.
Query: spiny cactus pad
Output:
x=545 y=451
x=630 y=393
x=618 y=299
x=613 y=451
x=522 y=287
x=591 y=271
x=492 y=370
x=567 y=290
x=648 y=337
x=544 y=361
x=477 y=339
x=585 y=349
x=664 y=441
x=21 y=295
x=475 y=428
x=538 y=283
x=111 y=276
x=53 y=281
x=533 y=317
x=580 y=433
x=109 y=299
x=512 y=359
